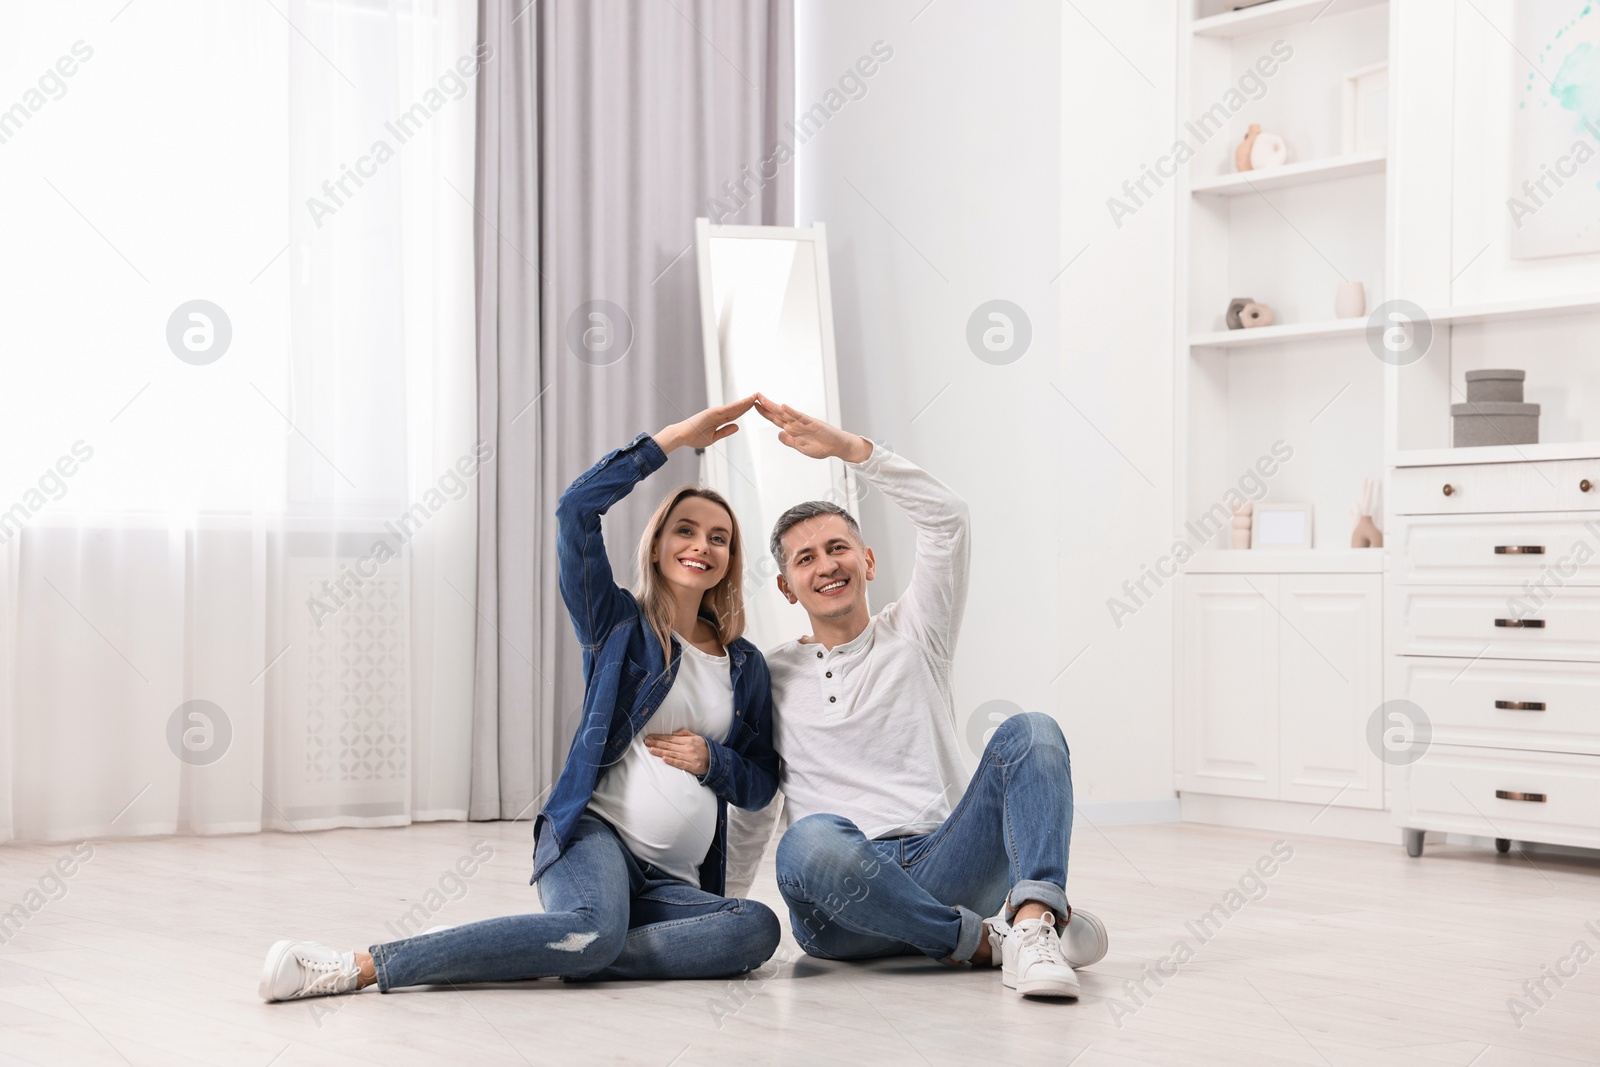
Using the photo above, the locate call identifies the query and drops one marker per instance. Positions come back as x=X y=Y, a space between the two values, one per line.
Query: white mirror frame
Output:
x=714 y=464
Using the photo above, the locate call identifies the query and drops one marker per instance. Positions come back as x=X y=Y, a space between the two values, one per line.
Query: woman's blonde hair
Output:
x=725 y=599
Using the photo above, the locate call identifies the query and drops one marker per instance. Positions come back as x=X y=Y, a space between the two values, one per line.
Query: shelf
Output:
x=1273 y=14
x=1548 y=451
x=1511 y=310
x=1271 y=335
x=1458 y=315
x=1286 y=561
x=1293 y=174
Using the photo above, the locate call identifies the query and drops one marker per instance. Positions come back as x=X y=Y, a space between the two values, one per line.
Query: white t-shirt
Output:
x=662 y=813
x=867 y=730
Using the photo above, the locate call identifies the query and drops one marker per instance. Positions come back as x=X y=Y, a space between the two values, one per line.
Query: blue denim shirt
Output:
x=626 y=675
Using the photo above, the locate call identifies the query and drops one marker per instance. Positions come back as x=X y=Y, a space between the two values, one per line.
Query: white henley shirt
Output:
x=867 y=730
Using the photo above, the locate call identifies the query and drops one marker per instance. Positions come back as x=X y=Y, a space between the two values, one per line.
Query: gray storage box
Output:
x=1497 y=386
x=1493 y=422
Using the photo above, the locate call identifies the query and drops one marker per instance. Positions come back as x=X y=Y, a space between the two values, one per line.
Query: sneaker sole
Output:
x=1102 y=942
x=269 y=969
x=1041 y=987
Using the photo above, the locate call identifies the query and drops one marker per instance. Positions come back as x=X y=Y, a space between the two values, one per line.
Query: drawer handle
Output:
x=1520 y=705
x=1585 y=485
x=1511 y=794
x=1449 y=490
x=1519 y=550
x=1521 y=624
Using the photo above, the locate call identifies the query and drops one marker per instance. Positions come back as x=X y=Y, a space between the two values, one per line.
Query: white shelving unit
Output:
x=1279 y=653
x=1287 y=561
x=1544 y=452
x=1512 y=310
x=1292 y=174
x=1458 y=315
x=1286 y=236
x=1272 y=16
x=1263 y=725
x=1277 y=335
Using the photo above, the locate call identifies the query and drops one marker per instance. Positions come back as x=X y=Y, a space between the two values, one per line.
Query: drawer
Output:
x=1428 y=621
x=1551 y=549
x=1525 y=796
x=1555 y=485
x=1502 y=703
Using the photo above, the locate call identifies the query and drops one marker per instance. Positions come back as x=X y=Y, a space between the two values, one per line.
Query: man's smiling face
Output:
x=826 y=567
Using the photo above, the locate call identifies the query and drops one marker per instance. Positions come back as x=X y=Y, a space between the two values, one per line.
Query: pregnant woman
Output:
x=630 y=850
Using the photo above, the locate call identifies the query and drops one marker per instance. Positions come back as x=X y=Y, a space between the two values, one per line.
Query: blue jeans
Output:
x=1006 y=842
x=607 y=916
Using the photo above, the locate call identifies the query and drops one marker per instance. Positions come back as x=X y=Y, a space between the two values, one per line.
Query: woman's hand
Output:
x=813 y=437
x=706 y=428
x=683 y=749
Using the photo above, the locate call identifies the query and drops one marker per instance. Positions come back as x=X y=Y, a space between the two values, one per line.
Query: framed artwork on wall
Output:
x=1554 y=195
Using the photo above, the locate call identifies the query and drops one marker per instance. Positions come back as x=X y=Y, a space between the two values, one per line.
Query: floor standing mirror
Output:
x=767 y=320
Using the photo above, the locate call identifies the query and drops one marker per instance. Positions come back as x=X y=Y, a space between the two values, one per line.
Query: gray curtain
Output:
x=605 y=127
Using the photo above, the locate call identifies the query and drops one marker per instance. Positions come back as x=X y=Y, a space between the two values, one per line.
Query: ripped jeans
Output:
x=607 y=916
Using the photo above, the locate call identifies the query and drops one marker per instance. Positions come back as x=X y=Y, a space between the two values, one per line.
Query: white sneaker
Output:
x=998 y=930
x=296 y=969
x=1033 y=963
x=1084 y=942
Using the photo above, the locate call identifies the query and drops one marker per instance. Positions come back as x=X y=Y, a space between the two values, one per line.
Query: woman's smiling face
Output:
x=693 y=548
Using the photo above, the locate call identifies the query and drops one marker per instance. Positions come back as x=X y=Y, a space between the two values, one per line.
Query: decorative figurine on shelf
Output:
x=1253 y=315
x=1241 y=155
x=1239 y=536
x=1268 y=151
x=1236 y=305
x=1350 y=300
x=1365 y=533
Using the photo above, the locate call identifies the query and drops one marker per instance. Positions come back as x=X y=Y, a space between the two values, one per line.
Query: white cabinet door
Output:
x=1228 y=689
x=1330 y=681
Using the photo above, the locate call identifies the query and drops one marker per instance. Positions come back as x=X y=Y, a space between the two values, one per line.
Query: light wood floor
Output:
x=1354 y=955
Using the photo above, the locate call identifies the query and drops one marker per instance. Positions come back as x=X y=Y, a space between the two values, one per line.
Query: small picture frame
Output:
x=1366 y=109
x=1280 y=526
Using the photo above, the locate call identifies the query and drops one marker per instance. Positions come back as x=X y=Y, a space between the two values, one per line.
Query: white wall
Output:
x=974 y=167
x=1557 y=353
x=1117 y=307
x=1488 y=70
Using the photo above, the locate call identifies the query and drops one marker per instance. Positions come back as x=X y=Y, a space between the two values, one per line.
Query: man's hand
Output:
x=706 y=428
x=812 y=437
x=683 y=749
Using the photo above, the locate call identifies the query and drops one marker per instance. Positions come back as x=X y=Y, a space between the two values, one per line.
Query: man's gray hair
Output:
x=810 y=509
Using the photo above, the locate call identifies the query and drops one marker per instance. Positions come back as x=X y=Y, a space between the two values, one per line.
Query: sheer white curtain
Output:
x=237 y=447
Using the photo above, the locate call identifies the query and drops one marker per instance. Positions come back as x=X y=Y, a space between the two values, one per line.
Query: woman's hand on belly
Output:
x=683 y=749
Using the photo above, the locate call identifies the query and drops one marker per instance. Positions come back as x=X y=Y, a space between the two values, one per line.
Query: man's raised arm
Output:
x=934 y=600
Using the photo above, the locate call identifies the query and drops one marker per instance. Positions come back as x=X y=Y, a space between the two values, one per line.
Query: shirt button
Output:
x=832 y=699
x=830 y=674
x=819 y=653
x=736 y=711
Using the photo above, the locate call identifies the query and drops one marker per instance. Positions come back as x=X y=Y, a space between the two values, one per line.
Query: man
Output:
x=884 y=852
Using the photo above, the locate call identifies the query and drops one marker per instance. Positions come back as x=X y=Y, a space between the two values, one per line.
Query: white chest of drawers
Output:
x=1493 y=634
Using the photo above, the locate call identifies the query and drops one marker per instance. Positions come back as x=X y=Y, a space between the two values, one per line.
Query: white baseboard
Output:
x=1358 y=824
x=1129 y=812
x=440 y=815
x=1290 y=817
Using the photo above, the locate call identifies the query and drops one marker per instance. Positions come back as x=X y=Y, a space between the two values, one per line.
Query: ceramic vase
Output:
x=1350 y=302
